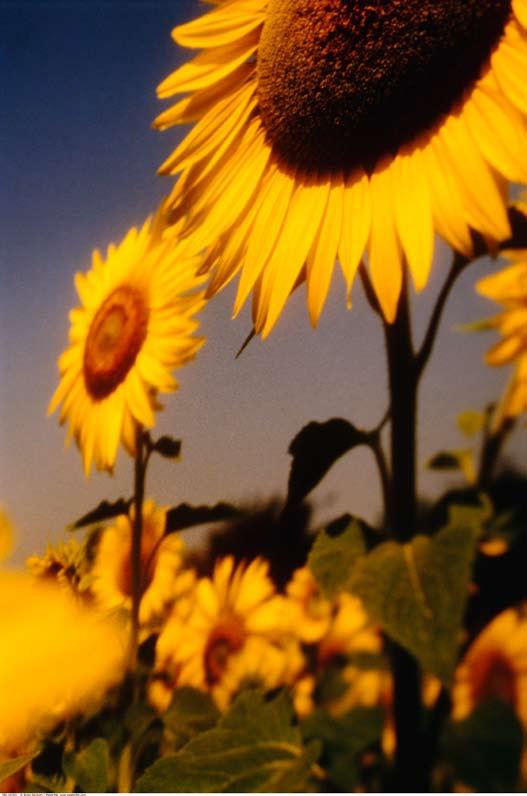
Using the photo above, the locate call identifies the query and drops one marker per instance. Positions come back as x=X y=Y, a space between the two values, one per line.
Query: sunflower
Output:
x=65 y=562
x=134 y=326
x=76 y=656
x=509 y=288
x=313 y=612
x=327 y=129
x=163 y=578
x=234 y=630
x=495 y=666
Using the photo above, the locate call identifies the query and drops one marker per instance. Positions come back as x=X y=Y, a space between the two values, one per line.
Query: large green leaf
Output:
x=10 y=767
x=334 y=554
x=315 y=449
x=89 y=767
x=484 y=750
x=343 y=741
x=190 y=712
x=417 y=592
x=254 y=747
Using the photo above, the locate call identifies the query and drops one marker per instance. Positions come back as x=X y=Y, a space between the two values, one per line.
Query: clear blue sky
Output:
x=78 y=162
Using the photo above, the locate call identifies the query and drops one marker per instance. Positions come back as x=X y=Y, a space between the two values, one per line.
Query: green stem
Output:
x=135 y=555
x=410 y=766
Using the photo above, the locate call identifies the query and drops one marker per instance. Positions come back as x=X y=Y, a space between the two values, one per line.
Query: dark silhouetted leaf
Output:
x=333 y=556
x=167 y=447
x=185 y=516
x=104 y=511
x=315 y=449
x=255 y=747
x=462 y=459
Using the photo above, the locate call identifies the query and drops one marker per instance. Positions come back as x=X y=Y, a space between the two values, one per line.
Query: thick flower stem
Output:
x=410 y=768
x=139 y=491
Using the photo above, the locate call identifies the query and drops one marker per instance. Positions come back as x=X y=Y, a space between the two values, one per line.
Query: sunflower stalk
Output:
x=140 y=464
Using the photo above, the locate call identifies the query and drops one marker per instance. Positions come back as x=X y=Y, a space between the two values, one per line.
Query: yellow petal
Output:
x=385 y=255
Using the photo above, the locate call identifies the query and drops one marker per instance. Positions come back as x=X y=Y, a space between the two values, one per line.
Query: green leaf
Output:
x=168 y=447
x=461 y=459
x=485 y=749
x=186 y=516
x=334 y=554
x=315 y=449
x=104 y=511
x=190 y=712
x=89 y=767
x=255 y=747
x=417 y=592
x=344 y=739
x=10 y=767
x=471 y=422
x=471 y=515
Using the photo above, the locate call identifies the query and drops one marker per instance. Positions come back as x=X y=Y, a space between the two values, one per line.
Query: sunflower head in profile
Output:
x=509 y=288
x=134 y=326
x=495 y=666
x=332 y=129
x=163 y=575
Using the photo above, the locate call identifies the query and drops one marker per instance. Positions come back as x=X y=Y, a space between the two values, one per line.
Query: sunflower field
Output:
x=244 y=645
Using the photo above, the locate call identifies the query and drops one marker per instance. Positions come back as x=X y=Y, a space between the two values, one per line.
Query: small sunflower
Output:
x=509 y=288
x=65 y=562
x=134 y=326
x=234 y=630
x=312 y=611
x=163 y=578
x=325 y=129
x=495 y=666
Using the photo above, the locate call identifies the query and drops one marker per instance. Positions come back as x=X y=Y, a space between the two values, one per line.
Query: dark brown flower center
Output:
x=493 y=677
x=227 y=637
x=341 y=83
x=116 y=335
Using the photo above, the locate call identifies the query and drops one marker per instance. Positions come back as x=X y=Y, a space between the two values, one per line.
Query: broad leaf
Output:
x=255 y=747
x=190 y=712
x=10 y=767
x=186 y=516
x=315 y=449
x=334 y=554
x=167 y=447
x=343 y=741
x=417 y=592
x=104 y=511
x=89 y=767
x=485 y=749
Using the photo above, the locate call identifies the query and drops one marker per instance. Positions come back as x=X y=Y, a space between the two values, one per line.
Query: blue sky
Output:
x=78 y=159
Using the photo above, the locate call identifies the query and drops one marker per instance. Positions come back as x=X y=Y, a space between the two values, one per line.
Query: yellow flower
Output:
x=326 y=129
x=312 y=613
x=234 y=629
x=509 y=288
x=58 y=658
x=162 y=574
x=495 y=666
x=64 y=562
x=134 y=326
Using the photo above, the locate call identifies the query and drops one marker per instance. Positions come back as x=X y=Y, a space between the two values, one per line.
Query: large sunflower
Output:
x=330 y=128
x=509 y=288
x=134 y=326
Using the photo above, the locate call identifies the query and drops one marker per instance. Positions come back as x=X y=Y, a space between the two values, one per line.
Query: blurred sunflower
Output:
x=75 y=657
x=163 y=578
x=509 y=288
x=65 y=562
x=234 y=630
x=327 y=128
x=495 y=666
x=311 y=610
x=134 y=326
